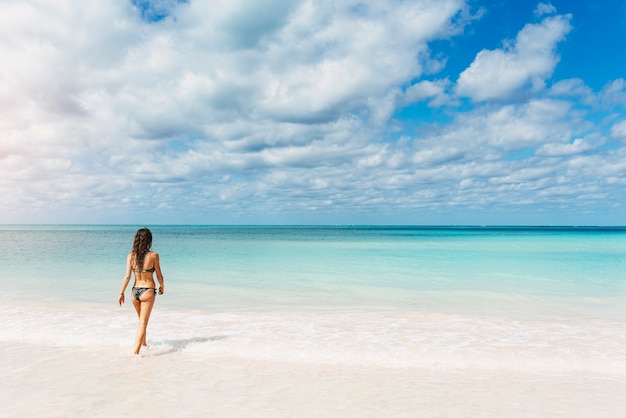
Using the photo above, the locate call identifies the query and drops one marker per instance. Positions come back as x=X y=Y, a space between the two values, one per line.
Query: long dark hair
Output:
x=141 y=246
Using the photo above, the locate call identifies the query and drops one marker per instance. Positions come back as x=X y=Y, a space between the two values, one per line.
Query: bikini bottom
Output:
x=138 y=291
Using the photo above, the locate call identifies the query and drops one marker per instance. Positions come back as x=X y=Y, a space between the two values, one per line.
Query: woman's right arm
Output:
x=126 y=280
x=159 y=273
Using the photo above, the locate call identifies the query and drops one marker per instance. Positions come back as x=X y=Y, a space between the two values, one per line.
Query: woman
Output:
x=144 y=263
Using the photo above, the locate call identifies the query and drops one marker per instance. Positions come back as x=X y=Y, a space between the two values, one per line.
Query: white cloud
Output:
x=578 y=146
x=544 y=9
x=435 y=91
x=618 y=130
x=235 y=109
x=530 y=58
x=492 y=132
x=573 y=88
x=614 y=93
x=92 y=94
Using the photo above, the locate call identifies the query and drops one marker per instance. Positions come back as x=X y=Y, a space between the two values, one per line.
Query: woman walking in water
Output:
x=144 y=263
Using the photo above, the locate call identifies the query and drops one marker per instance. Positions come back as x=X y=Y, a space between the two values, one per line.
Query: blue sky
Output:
x=313 y=112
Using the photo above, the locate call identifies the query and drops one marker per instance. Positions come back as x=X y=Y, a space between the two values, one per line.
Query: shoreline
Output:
x=178 y=384
x=75 y=360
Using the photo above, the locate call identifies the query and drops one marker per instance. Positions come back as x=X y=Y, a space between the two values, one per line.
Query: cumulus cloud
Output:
x=115 y=97
x=618 y=130
x=577 y=147
x=614 y=94
x=573 y=88
x=544 y=9
x=194 y=111
x=530 y=58
x=433 y=91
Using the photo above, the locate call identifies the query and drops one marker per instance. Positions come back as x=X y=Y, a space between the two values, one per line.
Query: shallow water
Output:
x=310 y=321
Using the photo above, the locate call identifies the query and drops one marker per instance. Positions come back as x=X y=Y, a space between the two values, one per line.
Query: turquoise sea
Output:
x=367 y=320
x=320 y=263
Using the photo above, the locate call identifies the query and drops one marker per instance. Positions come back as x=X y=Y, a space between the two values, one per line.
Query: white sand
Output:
x=61 y=362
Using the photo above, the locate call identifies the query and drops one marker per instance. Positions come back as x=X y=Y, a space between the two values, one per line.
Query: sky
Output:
x=420 y=112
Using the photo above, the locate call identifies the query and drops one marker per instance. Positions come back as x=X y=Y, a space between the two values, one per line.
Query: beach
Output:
x=313 y=321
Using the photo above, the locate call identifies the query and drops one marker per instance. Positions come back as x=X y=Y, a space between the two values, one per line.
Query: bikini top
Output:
x=146 y=270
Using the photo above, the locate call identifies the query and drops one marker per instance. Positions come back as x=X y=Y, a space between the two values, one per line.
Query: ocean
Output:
x=317 y=321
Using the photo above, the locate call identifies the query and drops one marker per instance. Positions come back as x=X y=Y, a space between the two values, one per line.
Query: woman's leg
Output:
x=145 y=309
x=137 y=305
